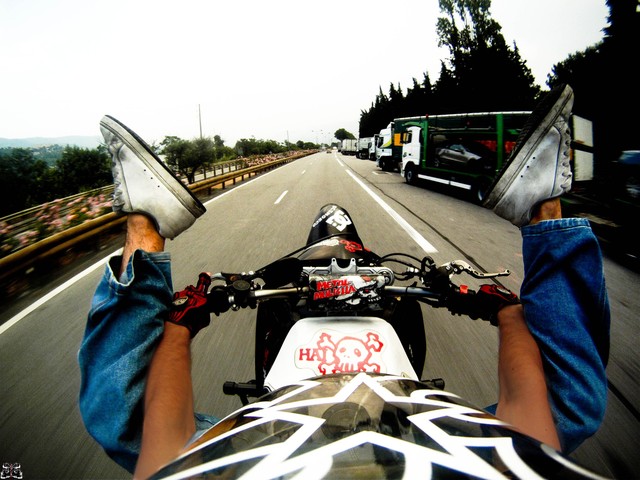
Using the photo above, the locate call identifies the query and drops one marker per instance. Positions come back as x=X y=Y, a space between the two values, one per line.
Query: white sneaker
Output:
x=539 y=167
x=144 y=184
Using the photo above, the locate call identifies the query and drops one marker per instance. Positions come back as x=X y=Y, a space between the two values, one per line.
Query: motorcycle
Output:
x=338 y=359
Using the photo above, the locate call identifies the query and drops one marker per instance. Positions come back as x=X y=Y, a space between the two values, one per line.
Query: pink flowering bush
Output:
x=20 y=231
x=49 y=219
x=254 y=160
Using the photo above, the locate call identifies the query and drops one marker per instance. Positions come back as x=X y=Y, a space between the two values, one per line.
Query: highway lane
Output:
x=492 y=244
x=244 y=229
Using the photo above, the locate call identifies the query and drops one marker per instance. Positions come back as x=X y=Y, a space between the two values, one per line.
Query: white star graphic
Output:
x=297 y=454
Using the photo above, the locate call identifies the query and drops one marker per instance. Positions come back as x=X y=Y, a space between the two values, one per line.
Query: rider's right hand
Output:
x=484 y=304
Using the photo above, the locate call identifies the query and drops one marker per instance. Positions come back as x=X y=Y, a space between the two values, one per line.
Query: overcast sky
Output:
x=281 y=69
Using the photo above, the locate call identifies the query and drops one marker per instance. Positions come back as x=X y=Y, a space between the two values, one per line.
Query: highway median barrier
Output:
x=26 y=259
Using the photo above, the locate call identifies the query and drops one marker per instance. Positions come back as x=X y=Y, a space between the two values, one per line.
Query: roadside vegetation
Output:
x=481 y=73
x=27 y=179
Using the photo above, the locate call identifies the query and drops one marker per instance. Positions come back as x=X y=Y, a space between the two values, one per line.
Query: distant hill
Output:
x=79 y=141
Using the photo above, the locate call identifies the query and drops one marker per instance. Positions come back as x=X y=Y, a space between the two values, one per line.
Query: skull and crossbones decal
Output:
x=349 y=354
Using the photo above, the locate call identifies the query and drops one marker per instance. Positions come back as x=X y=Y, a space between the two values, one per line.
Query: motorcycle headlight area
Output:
x=345 y=292
x=367 y=426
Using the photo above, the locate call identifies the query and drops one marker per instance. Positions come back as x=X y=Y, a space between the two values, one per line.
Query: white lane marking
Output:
x=413 y=233
x=41 y=301
x=281 y=197
x=243 y=184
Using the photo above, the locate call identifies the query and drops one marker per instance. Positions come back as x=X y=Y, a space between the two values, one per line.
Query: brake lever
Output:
x=457 y=267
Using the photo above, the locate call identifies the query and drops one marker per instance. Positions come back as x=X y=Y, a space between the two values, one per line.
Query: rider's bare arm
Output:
x=168 y=403
x=168 y=417
x=523 y=400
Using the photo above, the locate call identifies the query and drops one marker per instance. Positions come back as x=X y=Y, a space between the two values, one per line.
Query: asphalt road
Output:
x=253 y=224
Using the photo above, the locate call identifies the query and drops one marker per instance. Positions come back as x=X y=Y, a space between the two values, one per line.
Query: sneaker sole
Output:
x=157 y=166
x=539 y=123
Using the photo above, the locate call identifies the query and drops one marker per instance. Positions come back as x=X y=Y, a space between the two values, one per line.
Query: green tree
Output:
x=201 y=152
x=250 y=146
x=188 y=156
x=606 y=91
x=82 y=169
x=342 y=134
x=418 y=101
x=222 y=152
x=20 y=180
x=483 y=73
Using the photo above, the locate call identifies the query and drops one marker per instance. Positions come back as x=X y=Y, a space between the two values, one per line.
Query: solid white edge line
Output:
x=41 y=301
x=413 y=233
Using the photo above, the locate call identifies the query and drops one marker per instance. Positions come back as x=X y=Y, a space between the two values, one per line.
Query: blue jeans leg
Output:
x=567 y=311
x=123 y=329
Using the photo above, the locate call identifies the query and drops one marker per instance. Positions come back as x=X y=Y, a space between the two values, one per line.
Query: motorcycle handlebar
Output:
x=223 y=298
x=240 y=291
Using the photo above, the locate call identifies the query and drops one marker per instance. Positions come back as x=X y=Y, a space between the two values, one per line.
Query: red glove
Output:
x=492 y=299
x=189 y=307
x=484 y=304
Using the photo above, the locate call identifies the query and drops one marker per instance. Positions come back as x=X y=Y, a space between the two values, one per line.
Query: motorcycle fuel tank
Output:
x=326 y=345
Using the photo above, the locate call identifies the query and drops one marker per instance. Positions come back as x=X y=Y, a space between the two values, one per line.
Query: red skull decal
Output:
x=349 y=354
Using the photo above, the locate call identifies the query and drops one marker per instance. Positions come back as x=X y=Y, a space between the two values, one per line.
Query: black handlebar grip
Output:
x=218 y=300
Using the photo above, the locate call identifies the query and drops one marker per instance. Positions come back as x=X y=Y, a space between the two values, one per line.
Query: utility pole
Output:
x=200 y=120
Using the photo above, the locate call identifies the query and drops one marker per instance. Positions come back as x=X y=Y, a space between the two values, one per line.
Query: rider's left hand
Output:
x=189 y=306
x=492 y=298
x=484 y=304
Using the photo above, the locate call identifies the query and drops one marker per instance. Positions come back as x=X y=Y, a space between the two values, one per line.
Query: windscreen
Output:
x=365 y=426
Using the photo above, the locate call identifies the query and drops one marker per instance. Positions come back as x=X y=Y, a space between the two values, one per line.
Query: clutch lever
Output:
x=457 y=267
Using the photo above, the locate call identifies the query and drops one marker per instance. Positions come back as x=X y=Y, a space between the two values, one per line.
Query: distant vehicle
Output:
x=464 y=150
x=373 y=147
x=623 y=205
x=627 y=176
x=364 y=144
x=457 y=154
x=388 y=149
x=349 y=146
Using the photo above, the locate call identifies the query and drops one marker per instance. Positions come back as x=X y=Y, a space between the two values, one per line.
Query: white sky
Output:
x=272 y=69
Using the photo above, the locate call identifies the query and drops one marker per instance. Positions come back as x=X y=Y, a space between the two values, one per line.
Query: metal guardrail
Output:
x=30 y=255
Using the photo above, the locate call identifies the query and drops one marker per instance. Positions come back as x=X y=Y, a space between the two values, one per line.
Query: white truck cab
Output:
x=384 y=147
x=412 y=146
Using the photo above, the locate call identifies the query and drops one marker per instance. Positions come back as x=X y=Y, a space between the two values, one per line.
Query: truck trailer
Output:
x=464 y=151
x=349 y=146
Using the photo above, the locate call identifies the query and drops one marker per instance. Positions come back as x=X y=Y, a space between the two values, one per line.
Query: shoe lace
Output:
x=565 y=161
